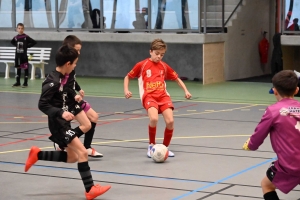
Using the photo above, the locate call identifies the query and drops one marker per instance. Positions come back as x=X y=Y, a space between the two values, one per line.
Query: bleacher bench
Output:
x=39 y=56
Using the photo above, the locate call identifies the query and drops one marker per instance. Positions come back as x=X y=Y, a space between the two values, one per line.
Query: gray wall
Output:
x=241 y=46
x=111 y=59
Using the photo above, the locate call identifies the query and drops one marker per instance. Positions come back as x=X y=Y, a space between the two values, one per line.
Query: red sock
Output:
x=152 y=134
x=168 y=137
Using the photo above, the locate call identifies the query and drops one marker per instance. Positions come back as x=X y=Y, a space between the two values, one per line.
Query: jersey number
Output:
x=148 y=72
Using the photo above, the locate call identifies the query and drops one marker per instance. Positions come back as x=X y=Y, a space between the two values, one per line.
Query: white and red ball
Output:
x=159 y=153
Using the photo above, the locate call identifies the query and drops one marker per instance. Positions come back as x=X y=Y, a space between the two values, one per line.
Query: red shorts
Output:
x=160 y=103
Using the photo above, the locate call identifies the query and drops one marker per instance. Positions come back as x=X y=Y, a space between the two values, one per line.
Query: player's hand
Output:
x=81 y=92
x=78 y=98
x=68 y=116
x=188 y=95
x=128 y=94
x=245 y=146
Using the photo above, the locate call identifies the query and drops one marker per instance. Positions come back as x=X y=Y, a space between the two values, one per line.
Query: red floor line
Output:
x=24 y=140
x=104 y=123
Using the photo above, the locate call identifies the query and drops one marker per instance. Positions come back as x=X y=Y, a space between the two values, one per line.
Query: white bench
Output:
x=39 y=56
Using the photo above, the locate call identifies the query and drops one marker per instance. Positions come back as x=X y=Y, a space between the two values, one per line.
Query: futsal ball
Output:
x=159 y=153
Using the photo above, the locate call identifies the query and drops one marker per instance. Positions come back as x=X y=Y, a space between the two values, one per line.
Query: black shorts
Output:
x=74 y=107
x=61 y=130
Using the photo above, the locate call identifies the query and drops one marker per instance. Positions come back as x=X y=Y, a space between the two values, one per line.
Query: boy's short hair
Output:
x=285 y=82
x=65 y=54
x=20 y=24
x=72 y=40
x=158 y=44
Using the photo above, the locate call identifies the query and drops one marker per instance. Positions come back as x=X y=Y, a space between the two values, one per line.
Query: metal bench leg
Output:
x=42 y=68
x=32 y=72
x=7 y=69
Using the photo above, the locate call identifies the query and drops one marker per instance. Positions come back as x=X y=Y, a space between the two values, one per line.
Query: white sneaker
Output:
x=93 y=153
x=171 y=154
x=56 y=147
x=297 y=73
x=149 y=150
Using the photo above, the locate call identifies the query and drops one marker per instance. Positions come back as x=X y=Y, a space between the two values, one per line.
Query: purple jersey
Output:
x=282 y=121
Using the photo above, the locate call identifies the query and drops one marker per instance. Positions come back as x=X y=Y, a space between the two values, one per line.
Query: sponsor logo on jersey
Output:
x=158 y=85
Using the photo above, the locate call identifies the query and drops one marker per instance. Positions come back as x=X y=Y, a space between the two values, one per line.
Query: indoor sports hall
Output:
x=226 y=53
x=210 y=130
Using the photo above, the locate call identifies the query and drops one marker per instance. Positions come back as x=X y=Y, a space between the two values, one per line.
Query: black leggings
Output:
x=25 y=72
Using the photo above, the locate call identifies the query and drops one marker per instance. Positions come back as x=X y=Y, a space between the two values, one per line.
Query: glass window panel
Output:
x=192 y=14
x=292 y=13
x=96 y=13
x=6 y=13
x=69 y=13
x=174 y=14
x=20 y=6
x=141 y=14
x=108 y=12
x=36 y=13
x=43 y=14
x=77 y=14
x=125 y=14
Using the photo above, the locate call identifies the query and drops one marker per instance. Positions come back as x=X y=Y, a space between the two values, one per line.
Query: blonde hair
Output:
x=158 y=44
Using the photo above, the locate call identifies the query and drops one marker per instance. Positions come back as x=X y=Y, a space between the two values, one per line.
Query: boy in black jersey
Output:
x=75 y=42
x=22 y=42
x=59 y=104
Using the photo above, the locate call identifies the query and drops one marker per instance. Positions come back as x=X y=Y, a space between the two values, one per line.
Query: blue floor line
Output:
x=223 y=179
x=113 y=173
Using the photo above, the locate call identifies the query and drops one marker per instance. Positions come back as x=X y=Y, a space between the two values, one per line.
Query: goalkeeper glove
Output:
x=245 y=146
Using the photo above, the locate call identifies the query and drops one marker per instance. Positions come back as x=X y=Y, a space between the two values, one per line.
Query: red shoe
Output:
x=96 y=190
x=32 y=157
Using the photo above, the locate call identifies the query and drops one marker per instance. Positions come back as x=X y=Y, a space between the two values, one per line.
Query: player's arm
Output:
x=14 y=42
x=44 y=105
x=31 y=42
x=182 y=85
x=132 y=74
x=261 y=132
x=78 y=89
x=127 y=93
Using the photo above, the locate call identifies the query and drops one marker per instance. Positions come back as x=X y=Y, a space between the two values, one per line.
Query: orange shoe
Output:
x=32 y=157
x=96 y=190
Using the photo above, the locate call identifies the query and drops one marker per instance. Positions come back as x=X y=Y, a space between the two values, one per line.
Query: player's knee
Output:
x=86 y=127
x=93 y=117
x=82 y=154
x=266 y=185
x=153 y=120
x=72 y=159
x=170 y=124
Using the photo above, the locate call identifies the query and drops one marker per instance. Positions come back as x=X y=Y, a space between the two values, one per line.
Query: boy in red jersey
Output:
x=282 y=121
x=152 y=73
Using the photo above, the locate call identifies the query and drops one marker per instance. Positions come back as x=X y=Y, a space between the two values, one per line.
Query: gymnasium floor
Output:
x=210 y=130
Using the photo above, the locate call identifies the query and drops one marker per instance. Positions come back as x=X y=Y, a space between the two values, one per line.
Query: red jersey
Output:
x=151 y=77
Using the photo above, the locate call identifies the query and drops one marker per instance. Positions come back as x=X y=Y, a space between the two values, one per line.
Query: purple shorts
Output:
x=284 y=182
x=85 y=106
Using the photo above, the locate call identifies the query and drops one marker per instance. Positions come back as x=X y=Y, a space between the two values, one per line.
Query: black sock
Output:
x=25 y=76
x=88 y=136
x=86 y=176
x=18 y=76
x=58 y=156
x=78 y=131
x=271 y=196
